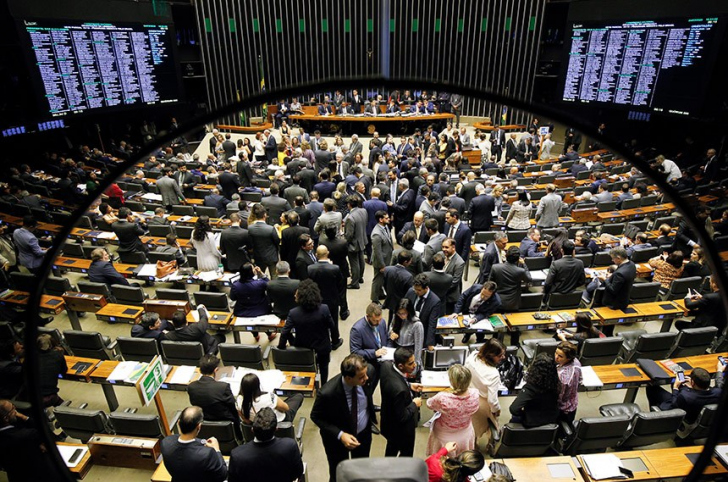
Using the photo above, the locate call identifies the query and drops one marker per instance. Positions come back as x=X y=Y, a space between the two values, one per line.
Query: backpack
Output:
x=511 y=371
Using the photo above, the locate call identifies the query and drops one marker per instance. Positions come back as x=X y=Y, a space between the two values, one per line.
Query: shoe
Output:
x=375 y=429
x=345 y=315
x=44 y=321
x=256 y=337
x=60 y=437
x=361 y=281
x=272 y=336
x=203 y=309
x=352 y=286
x=337 y=344
x=466 y=338
x=377 y=408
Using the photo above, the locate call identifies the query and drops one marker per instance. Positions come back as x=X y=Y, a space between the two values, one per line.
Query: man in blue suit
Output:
x=367 y=338
x=458 y=231
x=325 y=109
x=428 y=308
x=372 y=206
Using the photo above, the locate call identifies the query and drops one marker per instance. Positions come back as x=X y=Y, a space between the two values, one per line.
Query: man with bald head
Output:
x=417 y=225
x=332 y=284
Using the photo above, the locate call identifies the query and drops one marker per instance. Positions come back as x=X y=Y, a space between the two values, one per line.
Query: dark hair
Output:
x=458 y=469
x=250 y=390
x=408 y=240
x=149 y=318
x=171 y=239
x=258 y=211
x=406 y=305
x=123 y=213
x=308 y=295
x=29 y=221
x=513 y=255
x=352 y=364
x=700 y=378
x=422 y=280
x=379 y=215
x=303 y=240
x=189 y=420
x=178 y=319
x=568 y=349
x=247 y=272
x=492 y=348
x=584 y=325
x=568 y=247
x=675 y=259
x=432 y=225
x=438 y=261
x=490 y=286
x=265 y=424
x=403 y=257
x=542 y=373
x=208 y=363
x=523 y=197
x=104 y=208
x=202 y=227
x=274 y=189
x=402 y=356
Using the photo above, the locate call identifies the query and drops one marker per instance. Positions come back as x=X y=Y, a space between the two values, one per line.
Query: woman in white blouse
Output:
x=519 y=216
x=252 y=400
x=486 y=380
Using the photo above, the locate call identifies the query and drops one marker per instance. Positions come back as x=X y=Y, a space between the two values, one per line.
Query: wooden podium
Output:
x=166 y=308
x=122 y=451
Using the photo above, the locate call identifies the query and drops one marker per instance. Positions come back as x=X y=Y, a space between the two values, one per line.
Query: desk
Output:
x=463 y=328
x=166 y=308
x=673 y=462
x=116 y=313
x=537 y=468
x=608 y=316
x=614 y=378
x=523 y=321
x=661 y=310
x=650 y=474
x=224 y=321
x=368 y=124
x=79 y=265
x=83 y=375
x=80 y=470
x=162 y=475
x=48 y=304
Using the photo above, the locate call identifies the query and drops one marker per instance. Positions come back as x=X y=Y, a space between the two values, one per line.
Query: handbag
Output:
x=165 y=268
x=498 y=468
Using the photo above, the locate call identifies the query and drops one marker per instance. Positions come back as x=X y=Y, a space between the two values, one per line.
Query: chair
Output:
x=82 y=424
x=694 y=341
x=141 y=424
x=534 y=168
x=132 y=257
x=586 y=258
x=606 y=206
x=602 y=259
x=516 y=236
x=531 y=301
x=206 y=211
x=593 y=434
x=283 y=429
x=213 y=301
x=669 y=220
x=536 y=263
x=56 y=286
x=103 y=225
x=178 y=210
x=248 y=356
x=73 y=250
x=135 y=206
x=640 y=344
x=176 y=295
x=546 y=179
x=137 y=349
x=85 y=222
x=648 y=200
x=91 y=344
x=679 y=288
x=600 y=351
x=644 y=292
x=224 y=432
x=128 y=295
x=519 y=441
x=87 y=250
x=630 y=204
x=9 y=332
x=483 y=237
x=23 y=281
x=252 y=197
x=134 y=187
x=534 y=347
x=537 y=194
x=154 y=256
x=293 y=359
x=371 y=470
x=56 y=336
x=96 y=289
x=192 y=261
x=616 y=229
x=646 y=428
x=160 y=230
x=642 y=255
x=559 y=301
x=696 y=432
x=640 y=225
x=184 y=232
x=182 y=352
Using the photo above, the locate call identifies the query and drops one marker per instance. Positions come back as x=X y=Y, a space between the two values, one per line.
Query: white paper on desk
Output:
x=480 y=246
x=722 y=452
x=106 y=235
x=589 y=377
x=152 y=197
x=435 y=379
x=483 y=324
x=419 y=246
x=388 y=354
x=147 y=271
x=67 y=452
x=231 y=277
x=184 y=219
x=183 y=375
x=123 y=370
x=271 y=320
x=208 y=276
x=603 y=466
x=539 y=274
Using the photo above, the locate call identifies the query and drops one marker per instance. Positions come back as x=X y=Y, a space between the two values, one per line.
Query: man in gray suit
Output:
x=275 y=205
x=547 y=214
x=329 y=218
x=434 y=243
x=295 y=190
x=233 y=244
x=355 y=231
x=264 y=240
x=355 y=147
x=169 y=189
x=454 y=265
x=381 y=253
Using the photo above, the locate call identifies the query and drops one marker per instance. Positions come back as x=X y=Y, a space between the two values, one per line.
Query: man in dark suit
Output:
x=325 y=109
x=497 y=140
x=454 y=266
x=404 y=207
x=480 y=301
x=267 y=457
x=367 y=338
x=187 y=457
x=215 y=200
x=263 y=239
x=128 y=231
x=468 y=191
x=459 y=232
x=344 y=413
x=213 y=141
x=690 y=395
x=355 y=231
x=618 y=284
x=493 y=254
x=234 y=242
x=332 y=284
x=290 y=238
x=382 y=248
x=295 y=190
x=186 y=180
x=530 y=244
x=481 y=211
x=511 y=148
x=456 y=202
x=417 y=225
x=184 y=331
x=428 y=308
x=229 y=182
x=440 y=282
x=214 y=398
x=151 y=326
x=305 y=256
x=275 y=205
x=169 y=189
x=707 y=309
x=566 y=274
x=102 y=271
x=271 y=146
x=397 y=280
x=400 y=411
x=324 y=187
x=338 y=249
x=526 y=151
x=228 y=147
x=244 y=170
x=371 y=206
x=281 y=291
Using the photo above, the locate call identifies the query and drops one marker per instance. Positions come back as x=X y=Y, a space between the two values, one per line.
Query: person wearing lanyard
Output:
x=367 y=338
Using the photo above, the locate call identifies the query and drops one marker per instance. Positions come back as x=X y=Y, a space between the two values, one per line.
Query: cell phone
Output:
x=681 y=376
x=76 y=454
x=721 y=359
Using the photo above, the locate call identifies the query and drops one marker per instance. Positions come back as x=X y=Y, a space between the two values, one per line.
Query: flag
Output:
x=242 y=113
x=504 y=115
x=262 y=86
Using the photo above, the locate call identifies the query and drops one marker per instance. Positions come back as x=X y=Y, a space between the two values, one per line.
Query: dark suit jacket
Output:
x=458 y=203
x=188 y=179
x=481 y=213
x=264 y=242
x=467 y=192
x=397 y=280
x=324 y=189
x=565 y=276
x=338 y=253
x=214 y=398
x=455 y=269
x=104 y=272
x=331 y=412
x=303 y=261
x=270 y=148
x=275 y=205
x=372 y=206
x=618 y=286
x=229 y=183
x=536 y=407
x=440 y=283
x=404 y=208
x=490 y=257
x=192 y=332
x=410 y=226
x=511 y=149
x=314 y=329
x=484 y=310
x=229 y=148
x=363 y=342
x=290 y=244
x=218 y=202
x=21 y=456
x=509 y=277
x=331 y=282
x=528 y=248
x=233 y=244
x=708 y=311
x=275 y=460
x=245 y=172
x=463 y=239
x=128 y=234
x=282 y=295
x=399 y=413
x=431 y=310
x=192 y=462
x=692 y=401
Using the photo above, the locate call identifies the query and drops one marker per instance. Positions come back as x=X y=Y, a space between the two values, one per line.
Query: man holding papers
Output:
x=368 y=339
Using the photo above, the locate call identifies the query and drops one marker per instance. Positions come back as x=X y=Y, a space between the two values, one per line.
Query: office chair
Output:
x=248 y=356
x=91 y=344
x=137 y=349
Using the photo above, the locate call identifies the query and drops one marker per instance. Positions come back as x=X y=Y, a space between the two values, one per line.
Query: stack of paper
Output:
x=150 y=196
x=183 y=375
x=435 y=379
x=589 y=377
x=483 y=324
x=147 y=271
x=208 y=276
x=603 y=466
x=271 y=320
x=388 y=355
x=127 y=371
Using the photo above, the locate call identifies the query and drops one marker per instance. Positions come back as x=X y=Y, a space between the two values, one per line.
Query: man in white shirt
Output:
x=668 y=167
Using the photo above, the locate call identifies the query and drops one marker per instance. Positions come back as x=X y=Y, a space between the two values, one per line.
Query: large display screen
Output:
x=83 y=66
x=660 y=65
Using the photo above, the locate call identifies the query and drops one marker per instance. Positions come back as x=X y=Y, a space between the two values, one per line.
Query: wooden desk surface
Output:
x=48 y=303
x=709 y=361
x=84 y=465
x=118 y=311
x=195 y=377
x=672 y=462
x=608 y=314
x=162 y=475
x=650 y=474
x=104 y=369
x=537 y=468
x=610 y=374
x=659 y=309
x=338 y=118
x=527 y=319
x=217 y=318
x=84 y=264
x=85 y=374
x=288 y=385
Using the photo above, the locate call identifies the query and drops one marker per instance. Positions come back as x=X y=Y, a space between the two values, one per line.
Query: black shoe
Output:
x=375 y=429
x=353 y=286
x=377 y=408
x=361 y=280
x=466 y=338
x=44 y=321
x=337 y=344
x=345 y=315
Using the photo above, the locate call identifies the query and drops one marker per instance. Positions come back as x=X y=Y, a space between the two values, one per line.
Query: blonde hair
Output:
x=459 y=378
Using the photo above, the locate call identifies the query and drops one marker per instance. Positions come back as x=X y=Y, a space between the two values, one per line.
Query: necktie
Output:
x=418 y=305
x=376 y=335
x=417 y=232
x=452 y=232
x=313 y=258
x=354 y=409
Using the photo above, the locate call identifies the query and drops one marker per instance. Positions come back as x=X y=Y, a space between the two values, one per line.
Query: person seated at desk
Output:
x=52 y=364
x=690 y=395
x=585 y=329
x=173 y=247
x=213 y=397
x=584 y=243
x=418 y=108
x=697 y=266
x=11 y=368
x=639 y=243
x=159 y=219
x=248 y=293
x=151 y=326
x=537 y=402
x=267 y=457
x=184 y=331
x=479 y=301
x=325 y=109
x=393 y=108
x=253 y=400
x=188 y=458
x=583 y=201
x=668 y=268
x=664 y=241
x=530 y=244
x=102 y=271
x=624 y=195
x=217 y=201
x=345 y=109
x=707 y=309
x=441 y=467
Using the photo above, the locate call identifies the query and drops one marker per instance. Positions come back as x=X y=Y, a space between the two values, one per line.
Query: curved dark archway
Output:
x=557 y=114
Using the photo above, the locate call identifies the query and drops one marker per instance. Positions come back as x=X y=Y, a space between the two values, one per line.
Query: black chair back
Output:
x=20 y=281
x=96 y=289
x=564 y=300
x=537 y=262
x=600 y=351
x=596 y=434
x=531 y=301
x=643 y=255
x=128 y=295
x=644 y=292
x=294 y=359
x=160 y=230
x=81 y=423
x=137 y=349
x=519 y=441
x=224 y=432
x=248 y=356
x=182 y=352
x=137 y=424
x=56 y=286
x=694 y=341
x=170 y=294
x=88 y=344
x=213 y=301
x=649 y=428
x=132 y=257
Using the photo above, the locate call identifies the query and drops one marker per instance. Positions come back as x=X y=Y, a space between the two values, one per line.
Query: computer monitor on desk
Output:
x=444 y=357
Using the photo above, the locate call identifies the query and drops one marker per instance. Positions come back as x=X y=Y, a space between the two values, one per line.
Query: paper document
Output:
x=589 y=377
x=722 y=452
x=603 y=466
x=208 y=276
x=539 y=274
x=183 y=375
x=483 y=324
x=389 y=355
x=419 y=246
x=150 y=196
x=67 y=452
x=435 y=379
x=128 y=371
x=448 y=322
x=270 y=320
x=147 y=271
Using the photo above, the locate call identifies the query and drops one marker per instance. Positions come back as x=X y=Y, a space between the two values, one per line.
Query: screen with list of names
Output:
x=657 y=66
x=87 y=66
